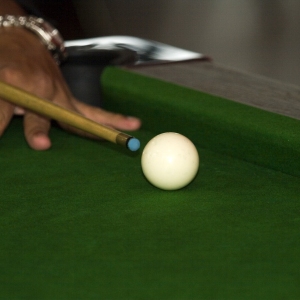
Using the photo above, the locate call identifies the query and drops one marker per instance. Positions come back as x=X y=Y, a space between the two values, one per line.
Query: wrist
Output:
x=20 y=48
x=47 y=34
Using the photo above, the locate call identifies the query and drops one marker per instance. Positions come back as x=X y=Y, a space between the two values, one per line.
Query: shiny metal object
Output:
x=146 y=51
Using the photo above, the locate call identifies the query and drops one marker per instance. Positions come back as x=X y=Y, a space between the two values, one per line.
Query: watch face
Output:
x=55 y=35
x=49 y=36
x=58 y=49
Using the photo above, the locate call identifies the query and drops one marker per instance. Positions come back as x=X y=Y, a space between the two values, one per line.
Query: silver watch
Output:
x=48 y=35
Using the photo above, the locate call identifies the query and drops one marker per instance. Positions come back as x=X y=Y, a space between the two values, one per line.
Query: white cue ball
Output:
x=170 y=161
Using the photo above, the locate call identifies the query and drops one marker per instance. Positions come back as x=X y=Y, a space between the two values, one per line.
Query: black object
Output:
x=84 y=66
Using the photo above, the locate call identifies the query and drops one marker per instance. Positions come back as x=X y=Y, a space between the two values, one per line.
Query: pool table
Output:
x=80 y=221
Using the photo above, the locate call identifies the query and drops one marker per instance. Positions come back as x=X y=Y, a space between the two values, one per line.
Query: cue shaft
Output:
x=58 y=113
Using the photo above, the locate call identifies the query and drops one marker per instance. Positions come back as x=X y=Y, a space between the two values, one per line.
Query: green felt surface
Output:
x=221 y=125
x=80 y=222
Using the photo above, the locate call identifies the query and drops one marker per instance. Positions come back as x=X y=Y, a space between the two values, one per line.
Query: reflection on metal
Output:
x=146 y=51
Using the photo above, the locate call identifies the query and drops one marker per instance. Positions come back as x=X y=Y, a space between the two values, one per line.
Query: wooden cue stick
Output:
x=57 y=113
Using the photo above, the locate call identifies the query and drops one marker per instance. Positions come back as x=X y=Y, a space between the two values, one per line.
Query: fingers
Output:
x=6 y=113
x=36 y=129
x=107 y=118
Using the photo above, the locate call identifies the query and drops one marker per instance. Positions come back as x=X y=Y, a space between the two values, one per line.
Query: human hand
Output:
x=26 y=63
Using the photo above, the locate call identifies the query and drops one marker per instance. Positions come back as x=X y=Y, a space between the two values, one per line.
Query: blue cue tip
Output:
x=133 y=144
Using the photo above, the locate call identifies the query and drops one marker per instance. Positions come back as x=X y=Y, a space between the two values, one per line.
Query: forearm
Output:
x=11 y=7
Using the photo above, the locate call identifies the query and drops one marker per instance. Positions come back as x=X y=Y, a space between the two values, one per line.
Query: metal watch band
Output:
x=48 y=35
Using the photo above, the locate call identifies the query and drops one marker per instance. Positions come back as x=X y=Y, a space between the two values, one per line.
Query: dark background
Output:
x=256 y=36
